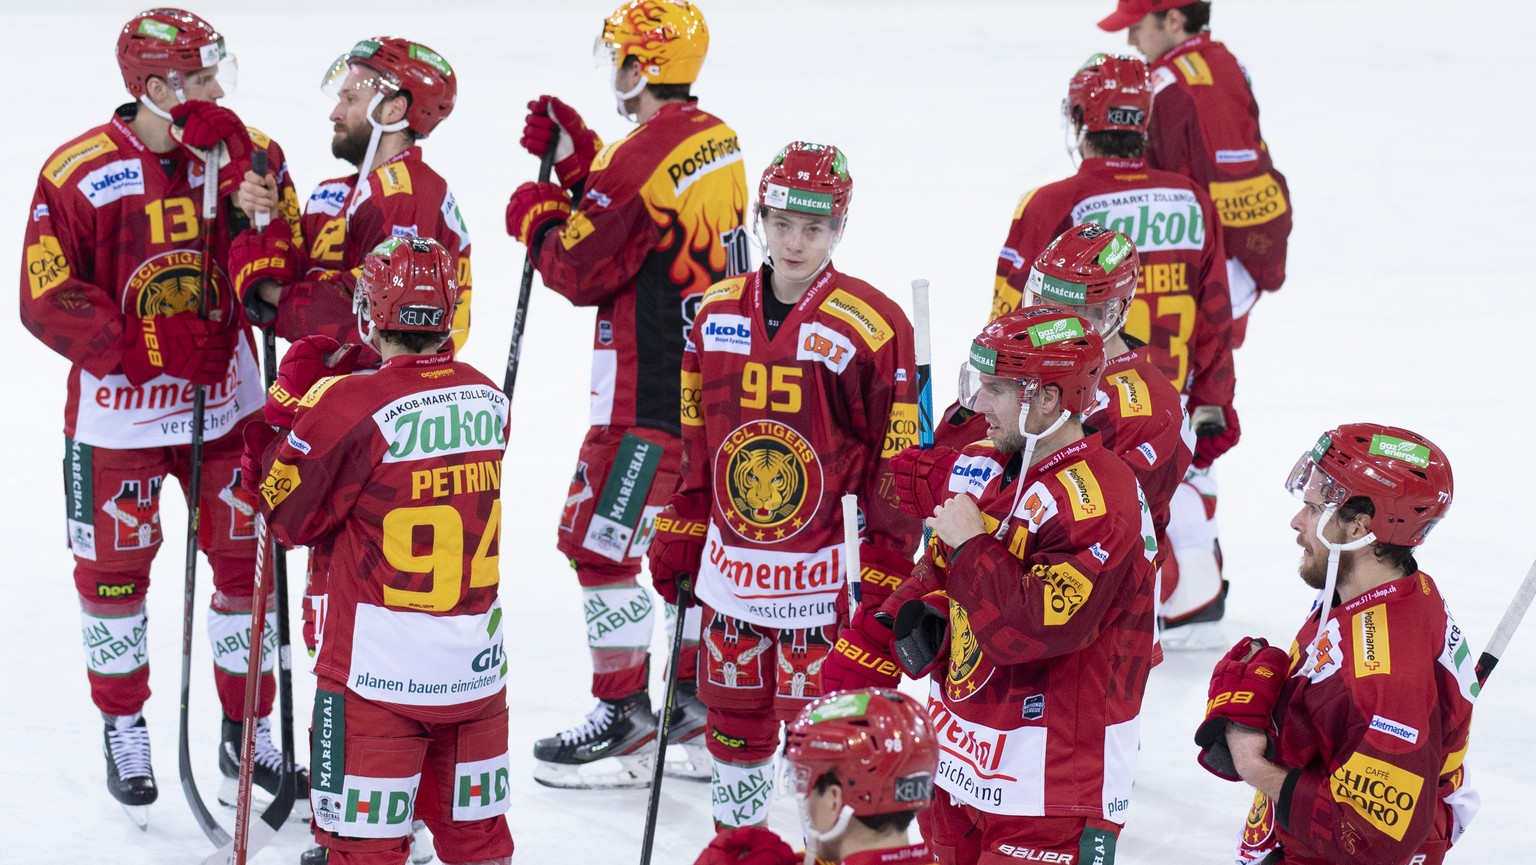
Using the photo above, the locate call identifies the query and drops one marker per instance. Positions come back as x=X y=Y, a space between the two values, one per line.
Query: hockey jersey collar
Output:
x=1108 y=165
x=418 y=361
x=915 y=854
x=1188 y=46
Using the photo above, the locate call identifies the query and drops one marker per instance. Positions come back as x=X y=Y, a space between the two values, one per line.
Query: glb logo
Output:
x=421 y=316
x=487 y=660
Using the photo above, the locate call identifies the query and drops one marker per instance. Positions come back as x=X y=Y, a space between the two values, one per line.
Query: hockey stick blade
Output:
x=1507 y=625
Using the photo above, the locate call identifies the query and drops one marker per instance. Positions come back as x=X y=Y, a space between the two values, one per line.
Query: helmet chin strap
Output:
x=813 y=838
x=1074 y=142
x=621 y=96
x=365 y=326
x=364 y=167
x=1330 y=584
x=1030 y=441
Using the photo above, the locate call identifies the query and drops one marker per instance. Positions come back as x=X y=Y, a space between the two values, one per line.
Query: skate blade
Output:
x=229 y=792
x=629 y=770
x=139 y=814
x=1196 y=637
x=688 y=761
x=421 y=844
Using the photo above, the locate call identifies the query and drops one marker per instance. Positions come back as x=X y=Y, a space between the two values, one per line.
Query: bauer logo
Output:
x=730 y=333
x=113 y=181
x=421 y=316
x=434 y=423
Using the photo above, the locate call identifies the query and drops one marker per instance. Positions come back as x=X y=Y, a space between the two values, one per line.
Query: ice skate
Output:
x=1200 y=630
x=614 y=747
x=130 y=777
x=687 y=755
x=266 y=774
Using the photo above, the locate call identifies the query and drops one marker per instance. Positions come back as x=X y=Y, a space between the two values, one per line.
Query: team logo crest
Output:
x=579 y=491
x=242 y=509
x=135 y=513
x=768 y=481
x=735 y=653
x=802 y=652
x=964 y=655
x=170 y=283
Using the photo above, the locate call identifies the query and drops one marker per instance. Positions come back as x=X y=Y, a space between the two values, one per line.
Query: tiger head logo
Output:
x=176 y=291
x=172 y=283
x=767 y=482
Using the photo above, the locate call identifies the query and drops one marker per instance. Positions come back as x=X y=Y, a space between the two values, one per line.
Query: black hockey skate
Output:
x=687 y=755
x=130 y=777
x=614 y=747
x=265 y=774
x=1200 y=629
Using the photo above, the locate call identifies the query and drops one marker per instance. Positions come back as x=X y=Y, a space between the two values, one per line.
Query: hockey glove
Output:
x=534 y=210
x=922 y=478
x=862 y=656
x=256 y=257
x=676 y=548
x=1213 y=438
x=258 y=437
x=306 y=362
x=198 y=126
x=748 y=845
x=922 y=634
x=549 y=118
x=181 y=345
x=881 y=570
x=1245 y=686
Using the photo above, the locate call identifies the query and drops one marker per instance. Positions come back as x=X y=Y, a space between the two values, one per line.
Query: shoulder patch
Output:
x=62 y=166
x=1018 y=210
x=865 y=321
x=605 y=156
x=1162 y=76
x=259 y=138
x=1372 y=642
x=318 y=390
x=728 y=289
x=1066 y=591
x=279 y=483
x=327 y=198
x=1134 y=399
x=1083 y=491
x=1384 y=794
x=394 y=178
x=1194 y=69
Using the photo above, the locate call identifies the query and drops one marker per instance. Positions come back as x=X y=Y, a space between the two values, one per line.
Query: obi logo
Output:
x=824 y=345
x=487 y=660
x=113 y=181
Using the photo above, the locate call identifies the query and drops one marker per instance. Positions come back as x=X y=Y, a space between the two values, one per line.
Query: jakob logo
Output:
x=768 y=481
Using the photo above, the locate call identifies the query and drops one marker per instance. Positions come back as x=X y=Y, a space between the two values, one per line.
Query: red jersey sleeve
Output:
x=692 y=497
x=59 y=303
x=1212 y=377
x=601 y=247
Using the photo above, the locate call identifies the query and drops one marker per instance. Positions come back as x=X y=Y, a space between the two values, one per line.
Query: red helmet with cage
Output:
x=164 y=43
x=1405 y=475
x=1042 y=344
x=423 y=74
x=1110 y=94
x=808 y=178
x=878 y=743
x=408 y=283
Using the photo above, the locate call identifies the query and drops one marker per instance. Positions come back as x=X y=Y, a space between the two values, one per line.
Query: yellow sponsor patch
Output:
x=1373 y=645
x=1384 y=794
x=577 y=228
x=47 y=268
x=259 y=138
x=1005 y=298
x=395 y=179
x=463 y=275
x=1082 y=490
x=318 y=390
x=1018 y=211
x=693 y=397
x=1133 y=394
x=63 y=165
x=279 y=483
x=1255 y=201
x=605 y=155
x=1194 y=69
x=1066 y=590
x=901 y=430
x=729 y=289
x=869 y=324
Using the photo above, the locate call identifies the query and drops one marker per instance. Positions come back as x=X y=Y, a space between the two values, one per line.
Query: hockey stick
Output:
x=851 y=551
x=923 y=349
x=525 y=290
x=684 y=600
x=1507 y=625
x=204 y=818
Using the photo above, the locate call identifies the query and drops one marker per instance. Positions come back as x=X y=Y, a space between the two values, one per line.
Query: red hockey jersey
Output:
x=1182 y=305
x=775 y=430
x=1038 y=709
x=661 y=221
x=115 y=241
x=404 y=197
x=396 y=477
x=1205 y=124
x=1373 y=726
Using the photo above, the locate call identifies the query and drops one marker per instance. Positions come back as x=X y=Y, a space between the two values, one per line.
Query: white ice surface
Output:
x=1408 y=302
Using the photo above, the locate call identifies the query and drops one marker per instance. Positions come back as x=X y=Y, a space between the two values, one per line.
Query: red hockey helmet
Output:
x=1089 y=269
x=408 y=283
x=879 y=744
x=1406 y=477
x=808 y=178
x=1042 y=345
x=402 y=65
x=1110 y=94
x=668 y=37
x=166 y=43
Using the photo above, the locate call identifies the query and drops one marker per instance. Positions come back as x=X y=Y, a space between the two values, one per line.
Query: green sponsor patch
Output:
x=79 y=494
x=1119 y=247
x=841 y=706
x=1400 y=449
x=328 y=736
x=1055 y=331
x=1095 y=60
x=158 y=30
x=365 y=48
x=431 y=58
x=1058 y=290
x=629 y=481
x=386 y=247
x=983 y=358
x=1096 y=847
x=1319 y=450
x=814 y=203
x=839 y=163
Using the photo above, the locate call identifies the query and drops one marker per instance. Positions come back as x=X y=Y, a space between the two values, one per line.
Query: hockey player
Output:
x=390 y=94
x=1033 y=610
x=111 y=280
x=1355 y=741
x=657 y=220
x=396 y=477
x=798 y=385
x=860 y=764
x=1205 y=124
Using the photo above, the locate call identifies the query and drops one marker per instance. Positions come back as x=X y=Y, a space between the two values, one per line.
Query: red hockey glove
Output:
x=181 y=345
x=922 y=478
x=534 y=210
x=922 y=634
x=676 y=548
x=258 y=437
x=881 y=570
x=1245 y=686
x=547 y=118
x=258 y=256
x=748 y=845
x=200 y=125
x=862 y=656
x=1213 y=438
x=306 y=362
